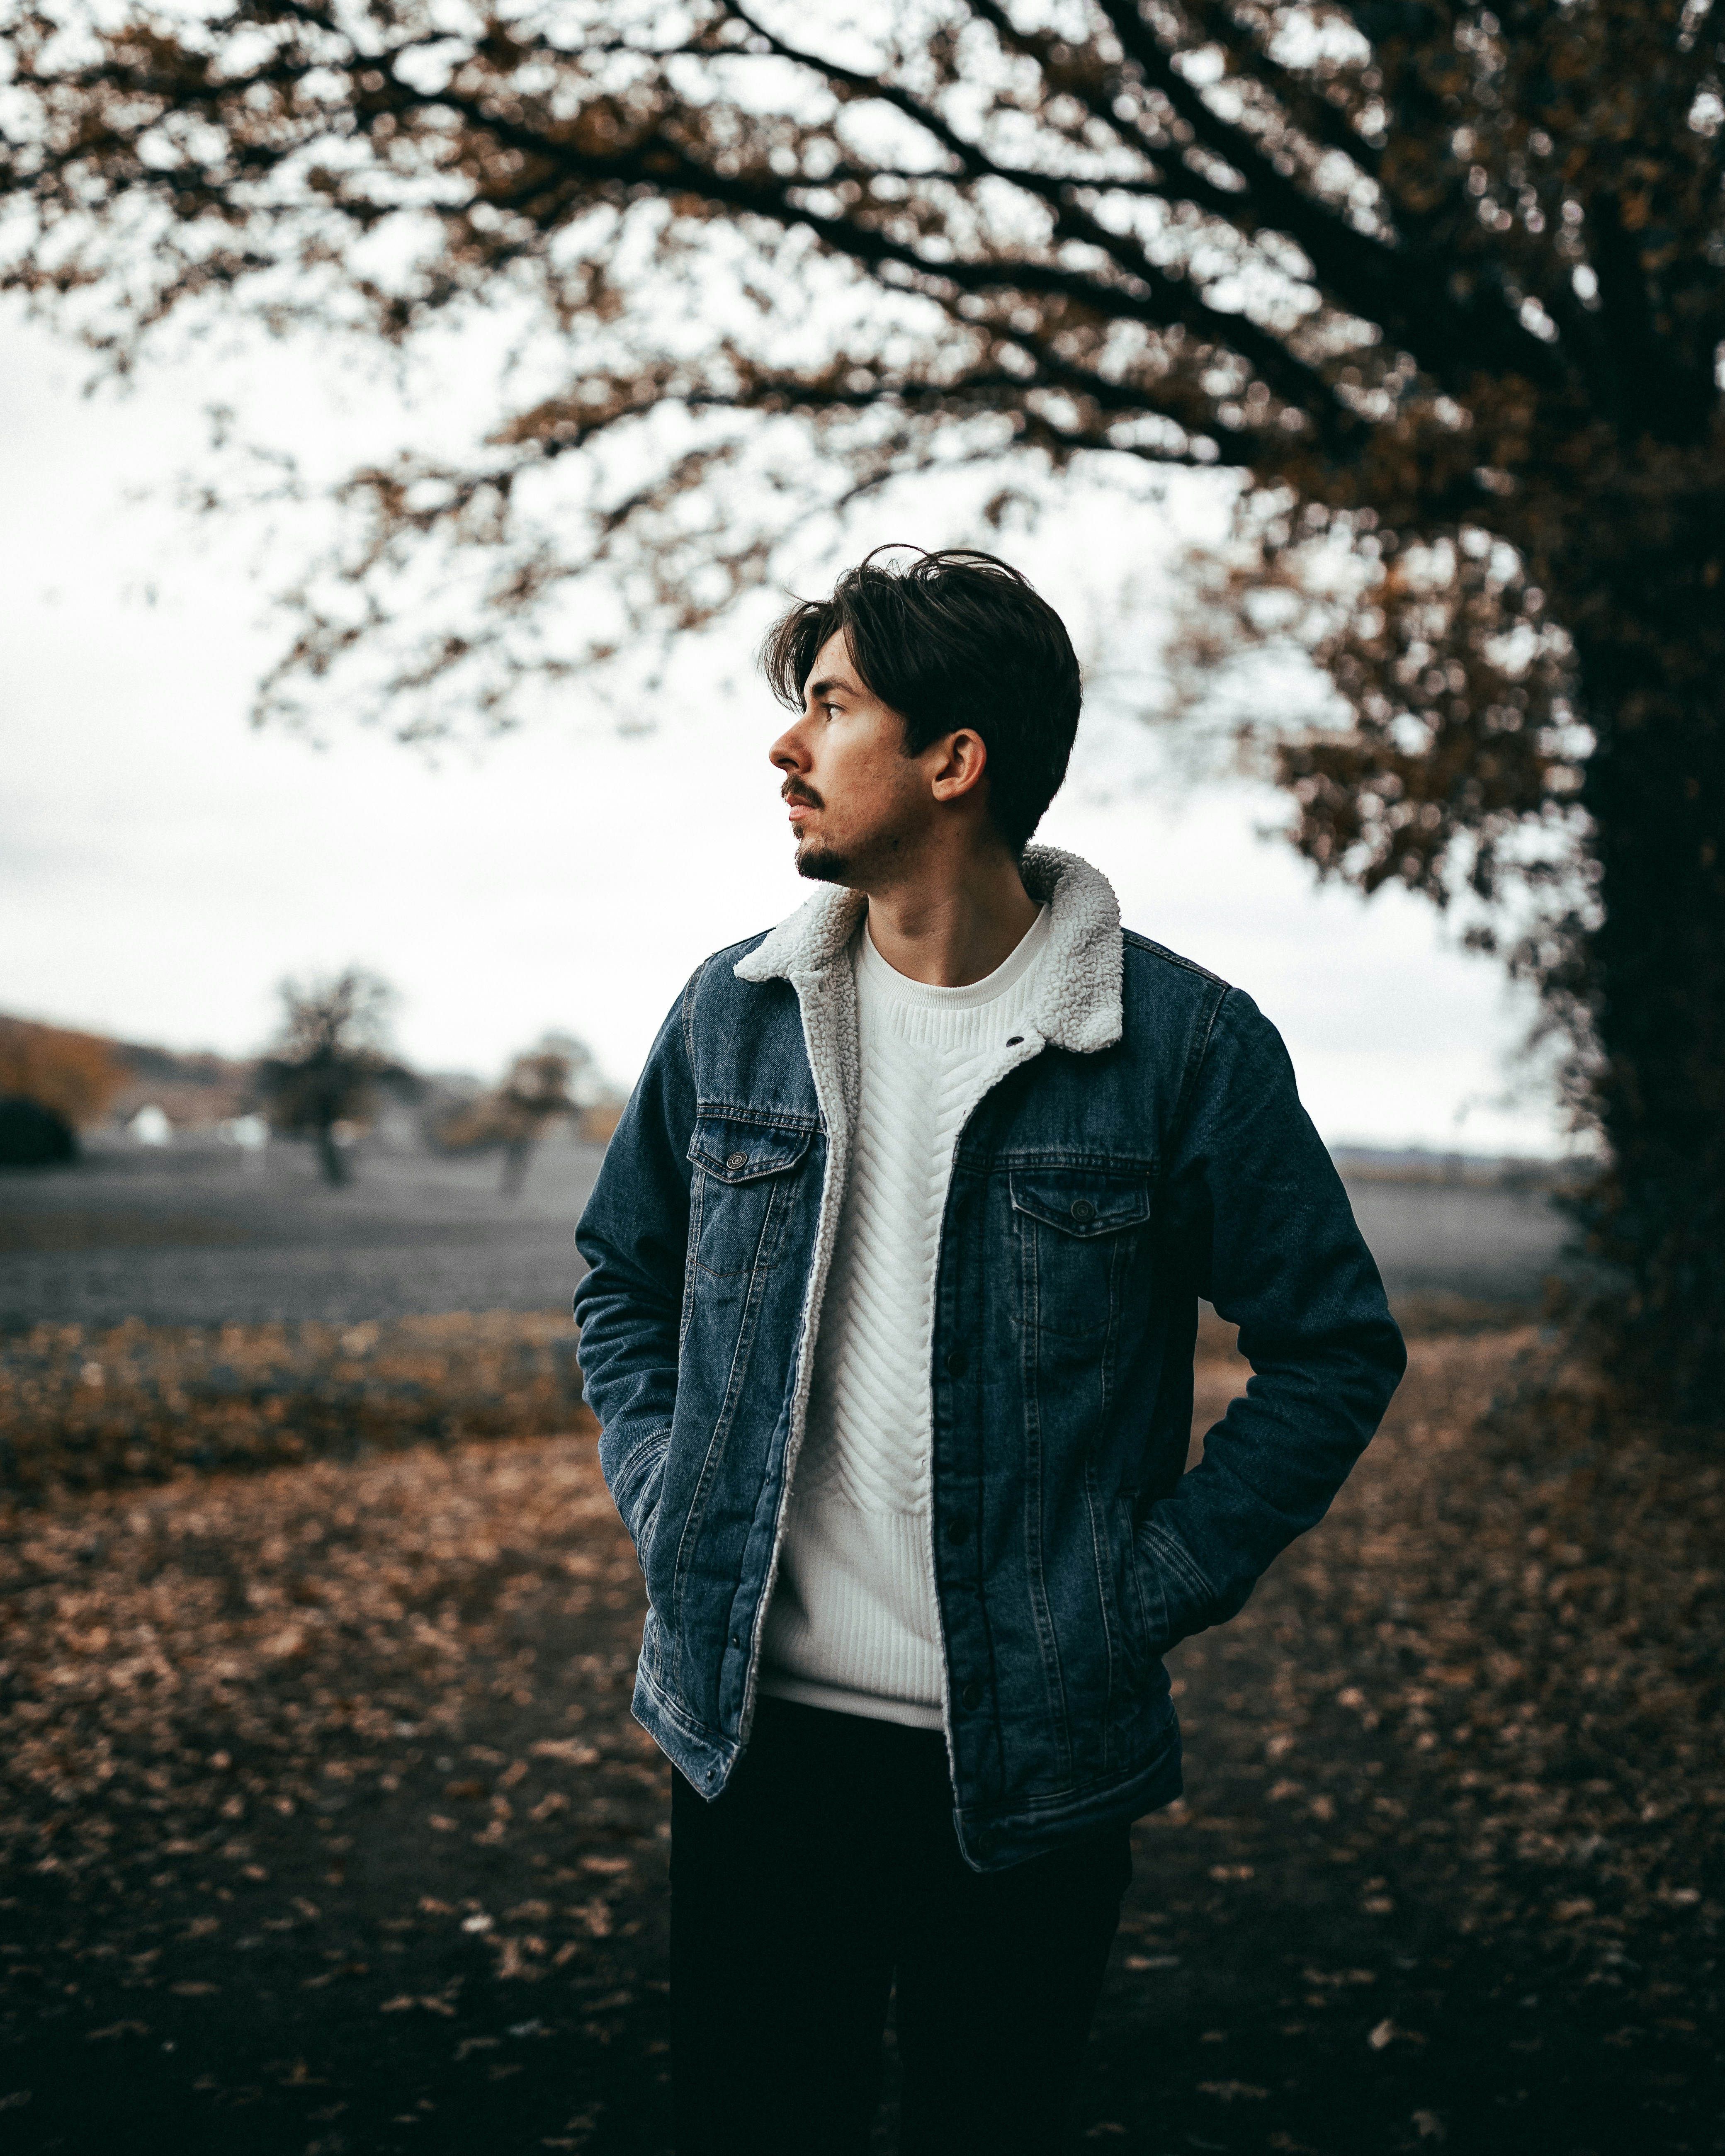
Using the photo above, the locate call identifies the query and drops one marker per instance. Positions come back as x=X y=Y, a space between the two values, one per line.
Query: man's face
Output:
x=858 y=803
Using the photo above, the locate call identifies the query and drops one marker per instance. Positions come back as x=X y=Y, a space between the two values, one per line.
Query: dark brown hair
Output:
x=950 y=640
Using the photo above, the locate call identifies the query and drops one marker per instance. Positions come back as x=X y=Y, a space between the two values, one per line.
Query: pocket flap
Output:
x=739 y=1152
x=1082 y=1201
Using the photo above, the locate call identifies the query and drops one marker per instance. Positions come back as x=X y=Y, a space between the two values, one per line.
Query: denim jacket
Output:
x=1137 y=1144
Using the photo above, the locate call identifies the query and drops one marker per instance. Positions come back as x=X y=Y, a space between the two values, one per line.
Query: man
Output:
x=896 y=1258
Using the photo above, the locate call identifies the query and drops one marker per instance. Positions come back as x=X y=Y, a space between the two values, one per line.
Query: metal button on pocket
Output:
x=1082 y=1209
x=958 y=1529
x=737 y=1160
x=957 y=1362
x=972 y=1696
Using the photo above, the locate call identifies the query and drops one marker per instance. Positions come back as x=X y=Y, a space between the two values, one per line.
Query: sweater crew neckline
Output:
x=924 y=995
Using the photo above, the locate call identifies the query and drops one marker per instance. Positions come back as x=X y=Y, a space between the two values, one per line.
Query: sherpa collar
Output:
x=1076 y=1003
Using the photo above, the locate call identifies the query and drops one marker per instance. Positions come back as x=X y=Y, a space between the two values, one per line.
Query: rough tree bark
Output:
x=1655 y=670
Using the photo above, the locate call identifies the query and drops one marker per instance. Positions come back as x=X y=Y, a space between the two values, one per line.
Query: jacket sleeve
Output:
x=633 y=1235
x=1273 y=1245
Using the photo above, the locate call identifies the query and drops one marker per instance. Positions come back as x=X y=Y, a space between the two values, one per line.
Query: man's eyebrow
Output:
x=836 y=685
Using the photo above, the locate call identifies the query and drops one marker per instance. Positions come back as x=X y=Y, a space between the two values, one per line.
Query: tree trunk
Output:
x=516 y=1154
x=330 y=1155
x=1652 y=661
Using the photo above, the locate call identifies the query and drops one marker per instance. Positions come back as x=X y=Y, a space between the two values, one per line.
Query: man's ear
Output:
x=963 y=760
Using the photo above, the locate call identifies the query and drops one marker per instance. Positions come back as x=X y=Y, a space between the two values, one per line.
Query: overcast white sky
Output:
x=161 y=866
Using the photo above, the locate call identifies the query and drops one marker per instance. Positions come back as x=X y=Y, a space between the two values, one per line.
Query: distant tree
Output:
x=541 y=1086
x=330 y=1061
x=1441 y=284
x=535 y=1094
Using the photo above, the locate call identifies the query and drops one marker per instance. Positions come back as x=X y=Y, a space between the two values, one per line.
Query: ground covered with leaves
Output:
x=88 y=1407
x=325 y=1828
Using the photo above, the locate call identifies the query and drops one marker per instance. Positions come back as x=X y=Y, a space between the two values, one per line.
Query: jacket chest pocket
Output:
x=740 y=1198
x=1081 y=1233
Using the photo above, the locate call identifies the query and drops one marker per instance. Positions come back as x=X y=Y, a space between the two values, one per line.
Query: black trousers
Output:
x=828 y=1871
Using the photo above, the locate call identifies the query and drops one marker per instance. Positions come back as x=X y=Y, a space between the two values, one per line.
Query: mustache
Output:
x=790 y=791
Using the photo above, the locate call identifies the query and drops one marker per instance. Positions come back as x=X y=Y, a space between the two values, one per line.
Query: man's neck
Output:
x=950 y=930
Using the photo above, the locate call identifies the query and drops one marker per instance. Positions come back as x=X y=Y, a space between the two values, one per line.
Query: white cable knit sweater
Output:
x=853 y=1624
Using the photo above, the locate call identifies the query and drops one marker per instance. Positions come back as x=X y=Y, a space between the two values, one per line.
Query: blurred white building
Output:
x=150 y=1127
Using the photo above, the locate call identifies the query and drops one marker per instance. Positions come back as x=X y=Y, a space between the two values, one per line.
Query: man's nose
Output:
x=788 y=751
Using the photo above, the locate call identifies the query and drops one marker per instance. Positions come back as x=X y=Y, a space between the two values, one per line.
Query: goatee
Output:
x=821 y=865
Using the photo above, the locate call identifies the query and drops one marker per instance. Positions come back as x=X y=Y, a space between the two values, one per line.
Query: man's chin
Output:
x=821 y=865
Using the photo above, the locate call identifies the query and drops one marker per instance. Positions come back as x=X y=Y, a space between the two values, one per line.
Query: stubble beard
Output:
x=871 y=856
x=871 y=862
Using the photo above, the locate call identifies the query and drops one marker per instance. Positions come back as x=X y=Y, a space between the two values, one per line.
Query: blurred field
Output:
x=325 y=1829
x=192 y=1236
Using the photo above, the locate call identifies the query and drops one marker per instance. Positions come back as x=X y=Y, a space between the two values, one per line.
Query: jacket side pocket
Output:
x=1179 y=1600
x=636 y=1491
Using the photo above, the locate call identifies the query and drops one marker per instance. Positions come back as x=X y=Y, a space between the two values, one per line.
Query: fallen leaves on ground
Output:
x=86 y=1408
x=1451 y=1847
x=285 y=1753
x=321 y=1806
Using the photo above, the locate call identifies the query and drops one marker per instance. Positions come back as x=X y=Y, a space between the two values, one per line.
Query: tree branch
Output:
x=1385 y=284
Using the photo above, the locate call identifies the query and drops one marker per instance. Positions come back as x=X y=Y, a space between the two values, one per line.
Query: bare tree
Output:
x=329 y=1060
x=1441 y=284
x=541 y=1087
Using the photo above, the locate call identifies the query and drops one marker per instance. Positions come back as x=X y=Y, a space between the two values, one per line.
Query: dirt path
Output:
x=1448 y=1870
x=327 y=1830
